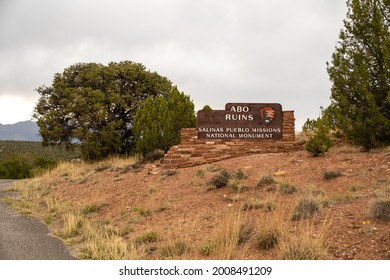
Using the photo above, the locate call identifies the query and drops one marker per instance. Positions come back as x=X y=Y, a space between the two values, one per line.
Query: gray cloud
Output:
x=216 y=51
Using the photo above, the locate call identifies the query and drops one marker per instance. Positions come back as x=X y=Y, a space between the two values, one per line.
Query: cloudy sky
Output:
x=216 y=51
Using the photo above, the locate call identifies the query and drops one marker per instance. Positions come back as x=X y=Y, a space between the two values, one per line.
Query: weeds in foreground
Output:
x=255 y=204
x=235 y=236
x=305 y=208
x=268 y=238
x=266 y=180
x=287 y=189
x=305 y=244
x=72 y=223
x=234 y=230
x=93 y=207
x=175 y=250
x=302 y=248
x=367 y=227
x=147 y=237
x=221 y=179
x=226 y=178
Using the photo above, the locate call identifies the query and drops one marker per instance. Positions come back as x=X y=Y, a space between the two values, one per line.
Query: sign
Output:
x=241 y=121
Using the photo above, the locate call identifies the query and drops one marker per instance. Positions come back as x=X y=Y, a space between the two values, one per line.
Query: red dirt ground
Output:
x=179 y=206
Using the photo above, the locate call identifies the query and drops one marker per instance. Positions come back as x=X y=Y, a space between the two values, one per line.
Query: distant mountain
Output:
x=21 y=131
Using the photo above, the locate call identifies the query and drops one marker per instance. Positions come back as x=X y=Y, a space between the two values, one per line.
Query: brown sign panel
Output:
x=241 y=121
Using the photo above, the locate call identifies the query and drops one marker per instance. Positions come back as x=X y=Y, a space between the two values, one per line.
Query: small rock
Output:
x=156 y=171
x=280 y=173
x=150 y=166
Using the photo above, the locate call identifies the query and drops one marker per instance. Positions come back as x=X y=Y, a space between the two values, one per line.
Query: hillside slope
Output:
x=178 y=214
x=21 y=131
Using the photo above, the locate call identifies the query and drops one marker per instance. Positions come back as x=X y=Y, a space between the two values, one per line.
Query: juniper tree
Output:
x=360 y=74
x=93 y=106
x=159 y=120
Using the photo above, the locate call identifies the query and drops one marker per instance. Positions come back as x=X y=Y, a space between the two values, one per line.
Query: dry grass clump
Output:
x=268 y=237
x=93 y=207
x=229 y=178
x=233 y=232
x=256 y=203
x=175 y=250
x=221 y=179
x=146 y=237
x=287 y=189
x=306 y=207
x=102 y=243
x=328 y=175
x=305 y=244
x=266 y=180
x=271 y=229
x=380 y=209
x=302 y=248
x=313 y=190
x=72 y=223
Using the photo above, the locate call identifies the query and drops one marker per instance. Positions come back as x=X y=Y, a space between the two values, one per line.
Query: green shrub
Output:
x=319 y=144
x=205 y=249
x=15 y=168
x=44 y=164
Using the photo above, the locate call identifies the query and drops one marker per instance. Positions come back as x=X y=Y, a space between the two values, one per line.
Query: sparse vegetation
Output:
x=380 y=210
x=255 y=203
x=266 y=180
x=303 y=247
x=306 y=207
x=72 y=223
x=205 y=249
x=267 y=239
x=313 y=190
x=287 y=188
x=93 y=207
x=328 y=175
x=221 y=179
x=110 y=219
x=225 y=178
x=174 y=250
x=147 y=237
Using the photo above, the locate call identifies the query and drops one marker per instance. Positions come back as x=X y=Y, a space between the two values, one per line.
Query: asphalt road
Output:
x=26 y=238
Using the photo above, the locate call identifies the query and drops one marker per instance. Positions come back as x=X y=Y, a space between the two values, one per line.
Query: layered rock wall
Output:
x=193 y=151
